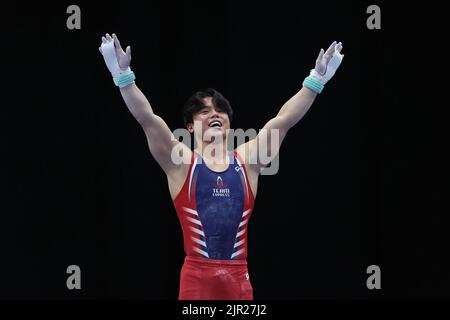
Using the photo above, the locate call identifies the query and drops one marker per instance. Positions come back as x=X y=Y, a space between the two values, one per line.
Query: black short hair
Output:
x=195 y=104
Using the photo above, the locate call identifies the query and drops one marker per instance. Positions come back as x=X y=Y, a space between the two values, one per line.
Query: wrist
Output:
x=313 y=83
x=124 y=78
x=117 y=72
x=317 y=76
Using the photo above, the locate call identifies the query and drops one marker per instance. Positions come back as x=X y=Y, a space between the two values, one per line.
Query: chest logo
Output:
x=220 y=189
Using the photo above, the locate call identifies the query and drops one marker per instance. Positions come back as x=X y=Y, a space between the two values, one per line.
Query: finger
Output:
x=320 y=55
x=128 y=52
x=330 y=49
x=117 y=42
x=104 y=40
x=339 y=47
x=108 y=37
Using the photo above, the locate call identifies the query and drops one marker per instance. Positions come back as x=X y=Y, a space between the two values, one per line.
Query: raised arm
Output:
x=293 y=110
x=160 y=139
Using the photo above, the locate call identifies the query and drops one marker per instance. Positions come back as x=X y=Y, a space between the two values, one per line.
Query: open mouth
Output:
x=215 y=124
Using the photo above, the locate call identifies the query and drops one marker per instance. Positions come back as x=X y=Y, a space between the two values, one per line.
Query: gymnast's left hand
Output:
x=328 y=62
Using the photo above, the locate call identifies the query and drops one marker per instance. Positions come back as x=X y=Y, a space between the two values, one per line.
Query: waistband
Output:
x=214 y=262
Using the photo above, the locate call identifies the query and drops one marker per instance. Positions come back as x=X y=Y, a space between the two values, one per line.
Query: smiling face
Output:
x=209 y=121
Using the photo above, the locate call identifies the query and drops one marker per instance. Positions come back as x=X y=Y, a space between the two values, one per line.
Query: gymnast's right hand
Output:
x=117 y=60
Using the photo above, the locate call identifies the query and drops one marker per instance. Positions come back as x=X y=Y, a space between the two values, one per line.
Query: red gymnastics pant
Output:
x=208 y=279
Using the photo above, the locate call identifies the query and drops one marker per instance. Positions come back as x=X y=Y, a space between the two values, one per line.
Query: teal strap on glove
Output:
x=313 y=84
x=124 y=80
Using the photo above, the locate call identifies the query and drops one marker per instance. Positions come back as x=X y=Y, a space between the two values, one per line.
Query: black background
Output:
x=362 y=177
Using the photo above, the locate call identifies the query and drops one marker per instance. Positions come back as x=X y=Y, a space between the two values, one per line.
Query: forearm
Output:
x=138 y=104
x=326 y=65
x=160 y=138
x=296 y=107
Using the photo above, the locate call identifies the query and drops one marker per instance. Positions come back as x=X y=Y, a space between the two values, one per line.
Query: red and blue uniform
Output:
x=214 y=209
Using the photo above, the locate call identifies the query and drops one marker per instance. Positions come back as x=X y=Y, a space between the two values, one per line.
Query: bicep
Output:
x=261 y=150
x=167 y=151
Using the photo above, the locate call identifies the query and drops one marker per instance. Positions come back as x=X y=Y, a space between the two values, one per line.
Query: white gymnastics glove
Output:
x=327 y=63
x=117 y=61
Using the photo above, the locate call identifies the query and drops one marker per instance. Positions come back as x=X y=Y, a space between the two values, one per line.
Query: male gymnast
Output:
x=213 y=189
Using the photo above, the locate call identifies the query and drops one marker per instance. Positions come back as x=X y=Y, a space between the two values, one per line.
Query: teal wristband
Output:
x=122 y=81
x=313 y=84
